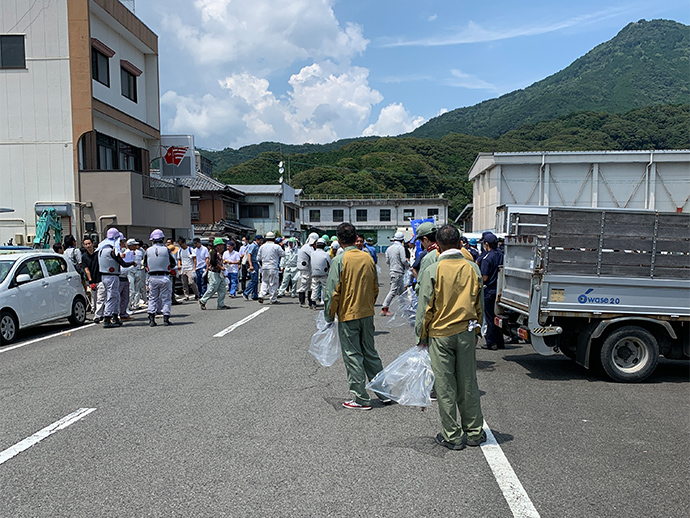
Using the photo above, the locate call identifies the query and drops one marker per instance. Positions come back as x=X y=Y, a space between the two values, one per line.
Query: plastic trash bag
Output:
x=325 y=344
x=404 y=309
x=408 y=380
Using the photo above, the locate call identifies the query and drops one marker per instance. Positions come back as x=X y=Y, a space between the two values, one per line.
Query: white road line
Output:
x=42 y=434
x=238 y=324
x=516 y=496
x=61 y=333
x=5 y=349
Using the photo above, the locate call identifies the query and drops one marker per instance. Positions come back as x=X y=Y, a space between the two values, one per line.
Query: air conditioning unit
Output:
x=19 y=239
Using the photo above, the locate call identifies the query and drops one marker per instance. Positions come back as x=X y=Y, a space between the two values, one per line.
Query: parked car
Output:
x=38 y=287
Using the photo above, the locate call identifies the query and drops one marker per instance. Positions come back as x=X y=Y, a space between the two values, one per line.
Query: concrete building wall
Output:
x=36 y=149
x=654 y=180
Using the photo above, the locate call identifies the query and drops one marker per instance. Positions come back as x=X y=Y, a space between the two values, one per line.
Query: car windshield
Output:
x=5 y=267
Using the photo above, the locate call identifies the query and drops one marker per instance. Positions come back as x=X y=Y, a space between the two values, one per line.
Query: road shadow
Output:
x=377 y=333
x=561 y=368
x=423 y=444
x=486 y=365
x=502 y=438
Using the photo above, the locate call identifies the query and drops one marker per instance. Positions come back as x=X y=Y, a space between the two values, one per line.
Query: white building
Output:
x=655 y=180
x=380 y=215
x=271 y=208
x=79 y=99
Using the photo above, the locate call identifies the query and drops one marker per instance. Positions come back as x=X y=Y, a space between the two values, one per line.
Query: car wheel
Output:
x=8 y=328
x=78 y=316
x=629 y=354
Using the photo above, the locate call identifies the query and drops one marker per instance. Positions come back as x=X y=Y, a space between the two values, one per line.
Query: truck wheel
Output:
x=78 y=316
x=630 y=354
x=8 y=328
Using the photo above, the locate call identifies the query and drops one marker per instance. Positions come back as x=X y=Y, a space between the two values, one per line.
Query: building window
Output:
x=230 y=212
x=129 y=84
x=314 y=215
x=12 y=51
x=254 y=211
x=107 y=153
x=432 y=213
x=385 y=215
x=408 y=214
x=290 y=214
x=338 y=215
x=129 y=157
x=194 y=209
x=100 y=67
x=361 y=214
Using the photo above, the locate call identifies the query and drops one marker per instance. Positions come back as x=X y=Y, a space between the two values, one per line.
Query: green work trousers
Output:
x=454 y=362
x=362 y=362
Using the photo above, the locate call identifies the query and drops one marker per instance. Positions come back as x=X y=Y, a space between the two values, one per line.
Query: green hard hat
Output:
x=218 y=241
x=325 y=237
x=334 y=238
x=425 y=229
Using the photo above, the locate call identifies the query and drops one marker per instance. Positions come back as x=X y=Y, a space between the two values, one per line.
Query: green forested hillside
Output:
x=416 y=165
x=645 y=64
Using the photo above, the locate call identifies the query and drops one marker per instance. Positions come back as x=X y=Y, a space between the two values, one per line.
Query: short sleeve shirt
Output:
x=489 y=267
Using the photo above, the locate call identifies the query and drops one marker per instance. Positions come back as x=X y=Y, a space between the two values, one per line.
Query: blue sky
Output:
x=238 y=72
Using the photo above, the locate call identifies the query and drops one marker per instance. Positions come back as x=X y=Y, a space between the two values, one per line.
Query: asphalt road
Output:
x=250 y=424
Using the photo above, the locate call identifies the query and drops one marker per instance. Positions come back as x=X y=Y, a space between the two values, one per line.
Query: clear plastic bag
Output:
x=325 y=344
x=408 y=380
x=404 y=309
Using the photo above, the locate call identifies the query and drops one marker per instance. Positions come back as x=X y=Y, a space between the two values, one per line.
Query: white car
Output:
x=38 y=287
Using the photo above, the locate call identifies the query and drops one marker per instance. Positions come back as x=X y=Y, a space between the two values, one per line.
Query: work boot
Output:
x=166 y=320
x=108 y=322
x=152 y=320
x=116 y=320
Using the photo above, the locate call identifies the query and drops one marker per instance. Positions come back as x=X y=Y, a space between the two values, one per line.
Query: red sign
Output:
x=175 y=154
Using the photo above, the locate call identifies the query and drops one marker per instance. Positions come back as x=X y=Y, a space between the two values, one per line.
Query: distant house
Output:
x=215 y=207
x=271 y=208
x=376 y=215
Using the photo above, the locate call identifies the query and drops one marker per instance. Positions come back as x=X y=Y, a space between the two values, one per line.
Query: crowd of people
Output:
x=455 y=282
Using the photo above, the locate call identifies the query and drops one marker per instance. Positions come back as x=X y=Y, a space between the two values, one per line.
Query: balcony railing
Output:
x=372 y=196
x=161 y=190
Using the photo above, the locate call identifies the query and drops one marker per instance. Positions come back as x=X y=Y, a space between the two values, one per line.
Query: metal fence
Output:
x=161 y=190
x=372 y=196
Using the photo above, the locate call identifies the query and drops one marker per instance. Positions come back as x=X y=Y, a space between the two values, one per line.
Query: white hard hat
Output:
x=312 y=238
x=320 y=241
x=270 y=235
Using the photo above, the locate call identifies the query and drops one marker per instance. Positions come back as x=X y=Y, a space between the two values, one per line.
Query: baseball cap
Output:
x=489 y=237
x=258 y=236
x=425 y=229
x=131 y=241
x=312 y=238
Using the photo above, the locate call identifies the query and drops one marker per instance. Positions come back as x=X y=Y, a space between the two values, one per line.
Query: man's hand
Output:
x=92 y=285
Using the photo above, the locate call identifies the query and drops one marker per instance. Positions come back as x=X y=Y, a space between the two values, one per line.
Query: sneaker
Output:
x=224 y=307
x=432 y=396
x=356 y=406
x=245 y=297
x=261 y=300
x=449 y=445
x=186 y=298
x=492 y=347
x=387 y=401
x=275 y=302
x=202 y=305
x=386 y=313
x=476 y=442
x=96 y=320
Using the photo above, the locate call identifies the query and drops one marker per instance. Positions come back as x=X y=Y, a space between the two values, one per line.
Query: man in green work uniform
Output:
x=350 y=294
x=450 y=305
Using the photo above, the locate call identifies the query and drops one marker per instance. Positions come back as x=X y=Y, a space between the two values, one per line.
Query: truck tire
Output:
x=629 y=354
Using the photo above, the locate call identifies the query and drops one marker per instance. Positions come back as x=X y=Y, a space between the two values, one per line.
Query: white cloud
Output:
x=326 y=102
x=432 y=17
x=462 y=80
x=394 y=119
x=475 y=33
x=264 y=36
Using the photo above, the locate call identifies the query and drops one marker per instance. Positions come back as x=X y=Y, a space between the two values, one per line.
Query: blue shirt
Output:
x=489 y=267
x=418 y=260
x=253 y=251
x=371 y=251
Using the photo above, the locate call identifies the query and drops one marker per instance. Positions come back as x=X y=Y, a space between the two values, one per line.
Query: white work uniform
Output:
x=269 y=257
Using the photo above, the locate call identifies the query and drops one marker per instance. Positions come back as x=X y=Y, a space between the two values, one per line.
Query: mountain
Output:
x=228 y=157
x=645 y=64
x=397 y=165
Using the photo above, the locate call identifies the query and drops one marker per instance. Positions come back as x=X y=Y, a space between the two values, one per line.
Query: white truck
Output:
x=608 y=288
